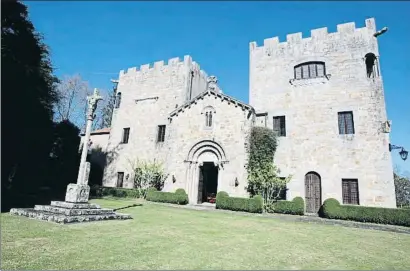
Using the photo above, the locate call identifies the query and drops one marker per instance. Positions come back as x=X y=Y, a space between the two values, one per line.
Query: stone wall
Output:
x=148 y=95
x=311 y=107
x=192 y=143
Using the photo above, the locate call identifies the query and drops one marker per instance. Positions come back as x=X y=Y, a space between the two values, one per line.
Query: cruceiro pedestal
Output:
x=75 y=208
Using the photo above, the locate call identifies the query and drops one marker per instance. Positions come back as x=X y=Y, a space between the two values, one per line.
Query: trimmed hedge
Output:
x=251 y=205
x=118 y=192
x=293 y=207
x=179 y=197
x=332 y=209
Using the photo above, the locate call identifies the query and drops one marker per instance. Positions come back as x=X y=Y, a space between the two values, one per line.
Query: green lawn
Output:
x=161 y=237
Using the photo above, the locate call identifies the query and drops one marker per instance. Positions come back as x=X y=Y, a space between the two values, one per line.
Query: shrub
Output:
x=99 y=192
x=293 y=207
x=334 y=210
x=251 y=205
x=263 y=176
x=179 y=197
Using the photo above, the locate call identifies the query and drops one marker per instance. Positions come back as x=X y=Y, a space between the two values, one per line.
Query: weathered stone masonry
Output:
x=178 y=96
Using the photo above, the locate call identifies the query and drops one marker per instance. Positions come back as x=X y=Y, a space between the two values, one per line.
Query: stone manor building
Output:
x=322 y=95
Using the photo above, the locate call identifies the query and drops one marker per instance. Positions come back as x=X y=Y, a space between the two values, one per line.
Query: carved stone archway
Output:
x=203 y=151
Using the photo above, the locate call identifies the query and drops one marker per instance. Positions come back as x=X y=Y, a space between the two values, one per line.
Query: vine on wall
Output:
x=263 y=175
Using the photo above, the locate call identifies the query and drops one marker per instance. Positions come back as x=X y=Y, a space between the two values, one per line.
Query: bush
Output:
x=293 y=207
x=179 y=197
x=334 y=210
x=99 y=192
x=251 y=205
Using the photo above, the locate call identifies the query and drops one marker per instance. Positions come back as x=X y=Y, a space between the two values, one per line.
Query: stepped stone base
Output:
x=68 y=212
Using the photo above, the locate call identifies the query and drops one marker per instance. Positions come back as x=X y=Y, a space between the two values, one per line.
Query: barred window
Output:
x=310 y=70
x=279 y=125
x=125 y=135
x=120 y=179
x=350 y=191
x=346 y=124
x=161 y=133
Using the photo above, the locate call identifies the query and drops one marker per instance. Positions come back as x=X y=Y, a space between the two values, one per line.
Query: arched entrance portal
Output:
x=205 y=165
x=313 y=192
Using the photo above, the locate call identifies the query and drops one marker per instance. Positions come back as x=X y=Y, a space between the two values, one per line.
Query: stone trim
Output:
x=208 y=92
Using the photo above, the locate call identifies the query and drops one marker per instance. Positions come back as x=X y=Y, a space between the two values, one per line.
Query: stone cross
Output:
x=212 y=81
x=92 y=106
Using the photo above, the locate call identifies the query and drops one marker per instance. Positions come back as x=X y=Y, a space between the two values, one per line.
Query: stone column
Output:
x=79 y=192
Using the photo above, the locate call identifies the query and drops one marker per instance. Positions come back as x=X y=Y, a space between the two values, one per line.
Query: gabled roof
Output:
x=221 y=96
x=99 y=132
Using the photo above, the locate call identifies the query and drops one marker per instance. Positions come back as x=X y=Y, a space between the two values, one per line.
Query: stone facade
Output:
x=311 y=106
x=179 y=95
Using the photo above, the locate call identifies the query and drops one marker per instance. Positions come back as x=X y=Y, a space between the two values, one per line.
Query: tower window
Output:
x=161 y=133
x=125 y=135
x=310 y=70
x=350 y=191
x=118 y=100
x=279 y=125
x=372 y=67
x=346 y=124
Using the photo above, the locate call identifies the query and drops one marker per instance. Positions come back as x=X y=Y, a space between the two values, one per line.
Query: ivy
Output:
x=263 y=175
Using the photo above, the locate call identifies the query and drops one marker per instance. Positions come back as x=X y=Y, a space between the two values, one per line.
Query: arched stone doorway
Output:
x=313 y=192
x=205 y=167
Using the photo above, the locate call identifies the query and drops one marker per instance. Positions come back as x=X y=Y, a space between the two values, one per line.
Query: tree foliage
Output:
x=263 y=175
x=64 y=157
x=148 y=174
x=402 y=186
x=72 y=104
x=107 y=110
x=28 y=97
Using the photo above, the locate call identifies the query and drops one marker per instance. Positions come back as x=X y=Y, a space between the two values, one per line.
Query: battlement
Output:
x=316 y=34
x=160 y=65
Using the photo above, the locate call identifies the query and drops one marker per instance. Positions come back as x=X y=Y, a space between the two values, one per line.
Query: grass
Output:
x=161 y=237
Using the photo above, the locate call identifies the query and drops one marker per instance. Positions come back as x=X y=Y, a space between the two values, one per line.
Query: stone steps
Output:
x=64 y=219
x=69 y=212
x=72 y=212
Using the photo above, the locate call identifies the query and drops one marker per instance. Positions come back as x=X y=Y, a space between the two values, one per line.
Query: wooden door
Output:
x=313 y=192
x=200 y=184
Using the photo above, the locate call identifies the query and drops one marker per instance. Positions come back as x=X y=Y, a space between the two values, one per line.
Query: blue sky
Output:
x=98 y=39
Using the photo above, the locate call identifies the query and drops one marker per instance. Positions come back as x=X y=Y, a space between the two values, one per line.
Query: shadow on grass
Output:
x=129 y=206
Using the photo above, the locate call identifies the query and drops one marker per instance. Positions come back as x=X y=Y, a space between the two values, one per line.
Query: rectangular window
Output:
x=298 y=73
x=312 y=70
x=305 y=70
x=282 y=194
x=120 y=179
x=350 y=191
x=125 y=135
x=161 y=133
x=320 y=70
x=346 y=125
x=279 y=125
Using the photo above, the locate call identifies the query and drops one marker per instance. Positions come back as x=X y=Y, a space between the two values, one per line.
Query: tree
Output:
x=72 y=104
x=263 y=175
x=64 y=156
x=148 y=174
x=108 y=109
x=28 y=97
x=402 y=187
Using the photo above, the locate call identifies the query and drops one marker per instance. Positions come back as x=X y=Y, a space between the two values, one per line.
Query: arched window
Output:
x=208 y=111
x=118 y=100
x=208 y=119
x=372 y=67
x=310 y=70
